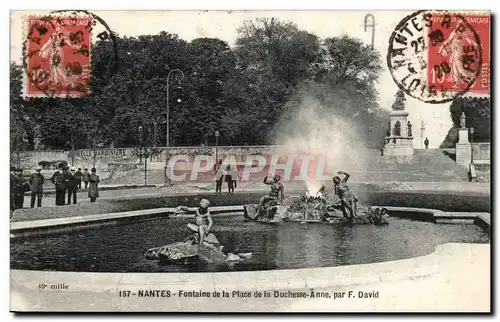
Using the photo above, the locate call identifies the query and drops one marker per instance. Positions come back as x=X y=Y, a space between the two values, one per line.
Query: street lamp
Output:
x=370 y=25
x=140 y=135
x=168 y=119
x=471 y=141
x=155 y=133
x=422 y=131
x=141 y=155
x=216 y=146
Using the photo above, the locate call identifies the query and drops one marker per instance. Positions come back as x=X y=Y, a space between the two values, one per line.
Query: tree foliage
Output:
x=477 y=115
x=242 y=92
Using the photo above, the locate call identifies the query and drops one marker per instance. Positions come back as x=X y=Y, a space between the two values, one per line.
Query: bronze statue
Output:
x=462 y=121
x=397 y=129
x=399 y=103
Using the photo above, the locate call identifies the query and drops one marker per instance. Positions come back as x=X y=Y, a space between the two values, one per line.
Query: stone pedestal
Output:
x=463 y=148
x=463 y=136
x=399 y=145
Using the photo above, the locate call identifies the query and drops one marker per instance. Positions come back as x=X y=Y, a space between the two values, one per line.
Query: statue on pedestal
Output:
x=397 y=129
x=399 y=103
x=409 y=129
x=462 y=120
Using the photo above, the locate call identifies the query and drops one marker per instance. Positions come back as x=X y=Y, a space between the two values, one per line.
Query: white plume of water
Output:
x=317 y=131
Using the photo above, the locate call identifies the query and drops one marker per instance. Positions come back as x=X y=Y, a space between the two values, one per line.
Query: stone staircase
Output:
x=425 y=165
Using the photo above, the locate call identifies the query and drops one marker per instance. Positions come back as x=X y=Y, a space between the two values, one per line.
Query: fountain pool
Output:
x=121 y=248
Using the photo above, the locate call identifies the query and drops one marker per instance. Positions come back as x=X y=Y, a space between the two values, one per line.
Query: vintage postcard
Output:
x=250 y=161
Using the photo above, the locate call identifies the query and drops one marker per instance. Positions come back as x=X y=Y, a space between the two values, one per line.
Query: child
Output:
x=203 y=219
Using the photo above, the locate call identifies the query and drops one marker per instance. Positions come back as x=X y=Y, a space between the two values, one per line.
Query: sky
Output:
x=223 y=25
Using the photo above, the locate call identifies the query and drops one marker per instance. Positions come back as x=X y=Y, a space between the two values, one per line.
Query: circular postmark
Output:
x=434 y=56
x=57 y=52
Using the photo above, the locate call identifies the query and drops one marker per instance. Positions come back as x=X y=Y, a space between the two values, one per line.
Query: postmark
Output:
x=57 y=53
x=435 y=56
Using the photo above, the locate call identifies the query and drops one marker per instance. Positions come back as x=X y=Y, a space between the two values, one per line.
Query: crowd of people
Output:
x=67 y=182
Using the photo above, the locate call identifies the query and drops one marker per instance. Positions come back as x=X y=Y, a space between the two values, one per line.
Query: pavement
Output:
x=454 y=278
x=82 y=196
x=107 y=192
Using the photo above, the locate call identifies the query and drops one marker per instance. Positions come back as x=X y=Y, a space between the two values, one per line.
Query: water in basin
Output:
x=286 y=246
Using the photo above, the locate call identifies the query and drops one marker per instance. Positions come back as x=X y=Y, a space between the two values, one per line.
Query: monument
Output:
x=399 y=142
x=463 y=146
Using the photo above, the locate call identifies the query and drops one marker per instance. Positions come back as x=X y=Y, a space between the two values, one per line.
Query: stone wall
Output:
x=481 y=151
x=123 y=158
x=104 y=157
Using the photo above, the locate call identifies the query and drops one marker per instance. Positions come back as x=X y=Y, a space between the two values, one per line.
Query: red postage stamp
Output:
x=58 y=56
x=459 y=53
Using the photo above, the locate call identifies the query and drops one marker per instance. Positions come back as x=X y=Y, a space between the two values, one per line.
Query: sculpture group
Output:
x=315 y=209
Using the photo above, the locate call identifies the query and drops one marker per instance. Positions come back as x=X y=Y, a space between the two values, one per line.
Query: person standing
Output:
x=234 y=176
x=93 y=185
x=20 y=187
x=12 y=188
x=85 y=176
x=426 y=143
x=218 y=177
x=229 y=179
x=36 y=184
x=79 y=176
x=72 y=185
x=59 y=182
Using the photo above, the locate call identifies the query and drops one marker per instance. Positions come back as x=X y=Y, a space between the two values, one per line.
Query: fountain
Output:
x=190 y=251
x=319 y=208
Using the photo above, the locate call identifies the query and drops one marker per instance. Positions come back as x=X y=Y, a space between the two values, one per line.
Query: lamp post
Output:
x=371 y=25
x=168 y=120
x=422 y=130
x=216 y=146
x=471 y=149
x=155 y=134
x=141 y=155
x=140 y=135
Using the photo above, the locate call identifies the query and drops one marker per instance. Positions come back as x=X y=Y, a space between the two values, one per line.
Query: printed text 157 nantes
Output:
x=311 y=294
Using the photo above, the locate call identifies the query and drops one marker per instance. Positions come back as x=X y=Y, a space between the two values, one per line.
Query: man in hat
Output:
x=36 y=184
x=12 y=187
x=59 y=180
x=71 y=184
x=86 y=177
x=79 y=176
x=203 y=219
x=20 y=187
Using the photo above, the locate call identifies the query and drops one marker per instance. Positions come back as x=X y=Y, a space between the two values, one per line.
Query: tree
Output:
x=242 y=93
x=201 y=111
x=343 y=82
x=147 y=147
x=477 y=115
x=273 y=58
x=269 y=46
x=21 y=118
